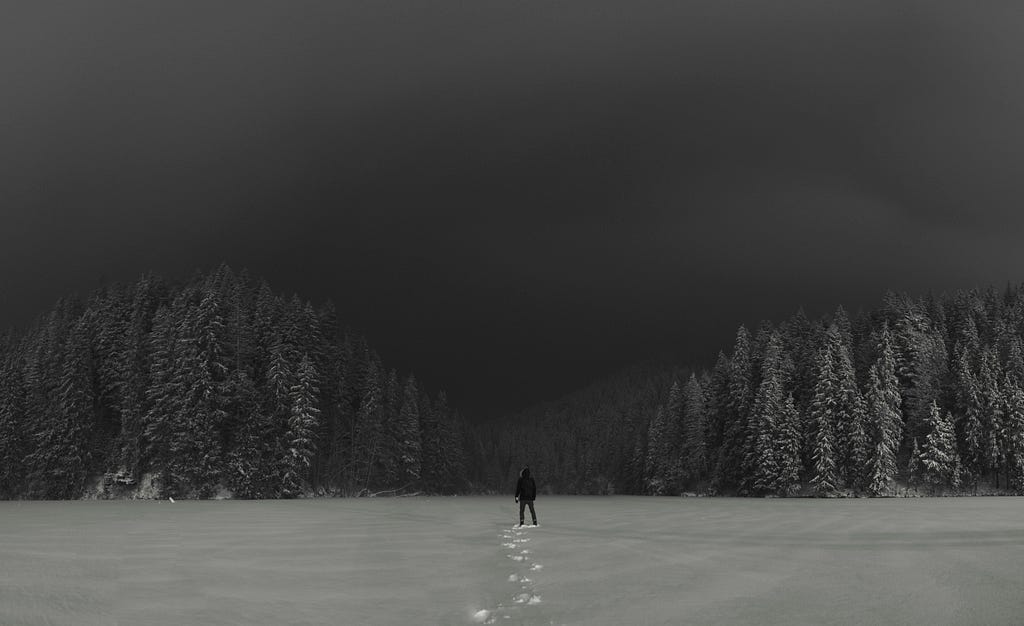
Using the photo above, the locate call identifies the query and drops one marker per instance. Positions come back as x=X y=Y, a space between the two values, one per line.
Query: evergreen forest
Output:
x=219 y=387
x=214 y=384
x=920 y=396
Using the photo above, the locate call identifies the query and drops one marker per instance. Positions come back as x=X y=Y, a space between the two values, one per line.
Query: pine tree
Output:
x=280 y=379
x=391 y=455
x=368 y=442
x=136 y=365
x=763 y=431
x=656 y=471
x=883 y=458
x=938 y=457
x=196 y=439
x=251 y=466
x=849 y=418
x=730 y=469
x=921 y=365
x=451 y=464
x=695 y=426
x=163 y=398
x=824 y=417
x=841 y=321
x=57 y=467
x=409 y=447
x=76 y=397
x=758 y=352
x=342 y=441
x=787 y=449
x=964 y=329
x=303 y=423
x=914 y=466
x=675 y=438
x=717 y=408
x=13 y=444
x=883 y=407
x=1012 y=434
x=430 y=445
x=992 y=412
x=971 y=435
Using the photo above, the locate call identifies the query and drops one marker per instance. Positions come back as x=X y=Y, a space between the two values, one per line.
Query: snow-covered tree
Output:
x=914 y=468
x=716 y=403
x=658 y=466
x=938 y=456
x=164 y=397
x=695 y=427
x=408 y=432
x=763 y=431
x=849 y=412
x=303 y=423
x=368 y=442
x=827 y=393
x=993 y=408
x=883 y=413
x=787 y=449
x=730 y=470
x=1012 y=434
x=970 y=433
x=921 y=361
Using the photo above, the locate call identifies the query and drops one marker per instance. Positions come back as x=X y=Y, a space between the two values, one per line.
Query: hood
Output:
x=525 y=473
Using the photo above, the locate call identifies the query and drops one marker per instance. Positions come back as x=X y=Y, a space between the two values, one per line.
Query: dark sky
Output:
x=512 y=198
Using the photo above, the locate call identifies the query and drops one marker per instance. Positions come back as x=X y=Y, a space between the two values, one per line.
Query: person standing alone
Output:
x=526 y=493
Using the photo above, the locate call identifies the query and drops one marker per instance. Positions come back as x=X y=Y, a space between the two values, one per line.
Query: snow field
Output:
x=443 y=561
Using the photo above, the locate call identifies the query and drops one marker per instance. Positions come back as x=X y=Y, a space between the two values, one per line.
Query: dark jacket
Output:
x=526 y=488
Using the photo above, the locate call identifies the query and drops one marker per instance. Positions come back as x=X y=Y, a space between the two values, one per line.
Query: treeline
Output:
x=217 y=383
x=584 y=443
x=926 y=393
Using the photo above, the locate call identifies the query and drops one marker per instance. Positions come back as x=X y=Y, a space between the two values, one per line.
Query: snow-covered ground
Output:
x=593 y=560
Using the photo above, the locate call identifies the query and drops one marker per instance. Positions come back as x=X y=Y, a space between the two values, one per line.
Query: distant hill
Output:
x=589 y=442
x=215 y=385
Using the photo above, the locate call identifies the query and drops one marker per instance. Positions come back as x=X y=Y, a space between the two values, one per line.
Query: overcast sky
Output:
x=511 y=198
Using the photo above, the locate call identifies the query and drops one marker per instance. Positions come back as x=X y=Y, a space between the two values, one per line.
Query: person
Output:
x=526 y=493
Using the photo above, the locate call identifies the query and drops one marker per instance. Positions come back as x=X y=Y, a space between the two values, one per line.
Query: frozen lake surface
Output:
x=594 y=560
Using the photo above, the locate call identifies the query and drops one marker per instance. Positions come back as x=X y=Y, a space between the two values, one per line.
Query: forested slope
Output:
x=925 y=393
x=590 y=442
x=216 y=383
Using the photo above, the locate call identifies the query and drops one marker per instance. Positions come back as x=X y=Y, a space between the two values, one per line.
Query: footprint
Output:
x=527 y=598
x=536 y=566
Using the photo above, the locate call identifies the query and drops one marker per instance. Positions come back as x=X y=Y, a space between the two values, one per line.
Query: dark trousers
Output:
x=522 y=507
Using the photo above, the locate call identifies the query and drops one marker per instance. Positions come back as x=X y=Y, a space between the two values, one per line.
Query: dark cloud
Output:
x=514 y=197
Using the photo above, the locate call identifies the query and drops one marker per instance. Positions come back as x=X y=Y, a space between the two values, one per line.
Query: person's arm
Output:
x=519 y=488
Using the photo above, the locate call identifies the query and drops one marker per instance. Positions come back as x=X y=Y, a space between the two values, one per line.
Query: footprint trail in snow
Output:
x=514 y=541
